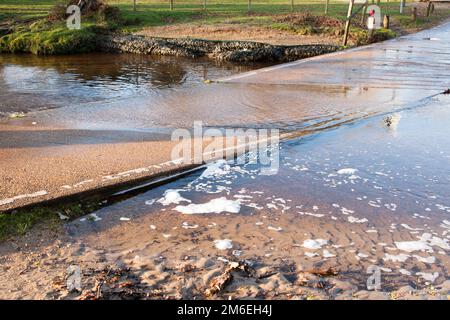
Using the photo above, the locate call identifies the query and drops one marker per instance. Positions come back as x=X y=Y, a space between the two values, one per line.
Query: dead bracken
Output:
x=306 y=18
x=329 y=272
x=220 y=282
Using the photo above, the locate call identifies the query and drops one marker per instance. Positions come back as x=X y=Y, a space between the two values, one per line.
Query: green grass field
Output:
x=157 y=12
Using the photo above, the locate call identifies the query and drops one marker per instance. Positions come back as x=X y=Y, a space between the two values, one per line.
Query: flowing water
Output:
x=30 y=83
x=368 y=192
x=336 y=200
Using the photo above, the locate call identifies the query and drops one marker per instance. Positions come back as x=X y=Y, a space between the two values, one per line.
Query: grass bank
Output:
x=44 y=31
x=20 y=222
x=43 y=38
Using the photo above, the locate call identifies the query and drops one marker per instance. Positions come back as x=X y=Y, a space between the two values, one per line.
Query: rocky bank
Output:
x=233 y=51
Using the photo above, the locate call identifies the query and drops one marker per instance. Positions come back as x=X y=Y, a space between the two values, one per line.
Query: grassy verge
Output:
x=20 y=222
x=46 y=39
x=50 y=35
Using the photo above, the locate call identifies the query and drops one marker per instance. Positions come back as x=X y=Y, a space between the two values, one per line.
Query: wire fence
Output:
x=217 y=4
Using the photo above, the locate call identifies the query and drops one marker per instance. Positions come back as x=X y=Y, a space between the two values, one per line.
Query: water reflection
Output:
x=55 y=80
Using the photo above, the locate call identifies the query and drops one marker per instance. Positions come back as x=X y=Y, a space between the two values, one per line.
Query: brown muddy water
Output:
x=359 y=196
x=31 y=83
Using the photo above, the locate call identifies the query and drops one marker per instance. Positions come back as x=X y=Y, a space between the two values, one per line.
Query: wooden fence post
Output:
x=249 y=6
x=292 y=5
x=386 y=22
x=134 y=5
x=363 y=12
x=347 y=23
x=429 y=8
x=414 y=14
x=171 y=4
x=326 y=6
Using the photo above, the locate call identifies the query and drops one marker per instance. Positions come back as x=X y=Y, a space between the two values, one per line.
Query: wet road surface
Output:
x=311 y=96
x=336 y=200
x=361 y=196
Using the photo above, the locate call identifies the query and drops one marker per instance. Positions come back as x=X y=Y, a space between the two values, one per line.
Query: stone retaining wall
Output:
x=234 y=51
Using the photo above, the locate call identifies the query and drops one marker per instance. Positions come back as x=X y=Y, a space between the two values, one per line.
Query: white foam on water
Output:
x=213 y=206
x=216 y=169
x=411 y=246
x=310 y=254
x=253 y=205
x=348 y=171
x=327 y=254
x=186 y=225
x=346 y=211
x=314 y=244
x=300 y=168
x=396 y=258
x=404 y=225
x=153 y=227
x=172 y=196
x=446 y=225
x=429 y=260
x=237 y=253
x=352 y=219
x=431 y=277
x=124 y=219
x=317 y=215
x=243 y=197
x=391 y=206
x=223 y=244
x=443 y=207
x=425 y=243
x=404 y=272
x=150 y=202
x=373 y=204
